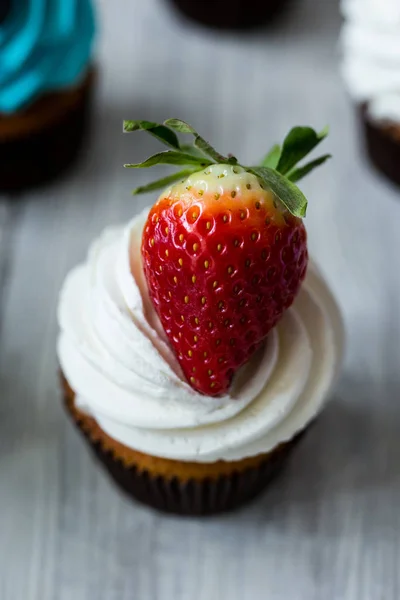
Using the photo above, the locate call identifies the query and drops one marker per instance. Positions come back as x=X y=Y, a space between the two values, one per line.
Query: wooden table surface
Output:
x=330 y=527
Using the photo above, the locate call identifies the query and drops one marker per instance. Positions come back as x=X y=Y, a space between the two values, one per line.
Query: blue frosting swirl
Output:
x=45 y=45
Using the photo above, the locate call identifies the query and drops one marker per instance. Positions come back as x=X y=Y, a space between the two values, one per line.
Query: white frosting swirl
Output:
x=371 y=62
x=114 y=354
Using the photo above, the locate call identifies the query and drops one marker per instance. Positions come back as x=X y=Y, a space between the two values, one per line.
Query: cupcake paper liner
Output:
x=382 y=146
x=40 y=143
x=192 y=497
x=231 y=14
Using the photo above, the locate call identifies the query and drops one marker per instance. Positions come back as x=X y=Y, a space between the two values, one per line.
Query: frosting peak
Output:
x=45 y=45
x=114 y=354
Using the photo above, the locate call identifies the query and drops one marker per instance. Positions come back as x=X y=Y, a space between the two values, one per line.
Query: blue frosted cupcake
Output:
x=46 y=80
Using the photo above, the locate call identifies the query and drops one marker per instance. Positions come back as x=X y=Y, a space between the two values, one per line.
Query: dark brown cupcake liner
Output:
x=31 y=154
x=208 y=496
x=5 y=6
x=231 y=14
x=193 y=497
x=383 y=147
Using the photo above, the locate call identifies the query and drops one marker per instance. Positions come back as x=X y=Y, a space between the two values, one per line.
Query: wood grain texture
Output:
x=330 y=528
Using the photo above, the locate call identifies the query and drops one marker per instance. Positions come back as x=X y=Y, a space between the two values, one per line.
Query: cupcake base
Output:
x=383 y=145
x=231 y=14
x=41 y=142
x=179 y=487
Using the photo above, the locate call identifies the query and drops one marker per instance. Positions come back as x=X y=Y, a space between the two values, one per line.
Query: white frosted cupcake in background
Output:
x=371 y=69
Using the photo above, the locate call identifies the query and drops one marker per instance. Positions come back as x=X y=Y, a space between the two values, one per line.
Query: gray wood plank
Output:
x=330 y=528
x=10 y=209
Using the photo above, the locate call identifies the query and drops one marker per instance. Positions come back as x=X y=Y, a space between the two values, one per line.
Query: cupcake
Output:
x=46 y=80
x=371 y=69
x=231 y=14
x=198 y=342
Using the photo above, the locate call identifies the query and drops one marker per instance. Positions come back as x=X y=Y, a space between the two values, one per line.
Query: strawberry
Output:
x=224 y=250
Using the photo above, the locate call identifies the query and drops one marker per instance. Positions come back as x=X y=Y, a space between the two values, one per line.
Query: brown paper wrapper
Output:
x=193 y=496
x=231 y=14
x=383 y=145
x=42 y=141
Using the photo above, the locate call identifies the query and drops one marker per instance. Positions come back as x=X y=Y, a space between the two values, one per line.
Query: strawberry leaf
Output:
x=297 y=144
x=277 y=171
x=170 y=157
x=190 y=149
x=272 y=158
x=164 y=182
x=199 y=142
x=300 y=172
x=287 y=192
x=180 y=126
x=161 y=132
